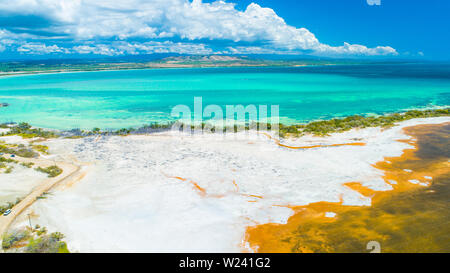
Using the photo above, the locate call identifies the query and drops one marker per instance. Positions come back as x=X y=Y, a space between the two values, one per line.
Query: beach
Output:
x=171 y=192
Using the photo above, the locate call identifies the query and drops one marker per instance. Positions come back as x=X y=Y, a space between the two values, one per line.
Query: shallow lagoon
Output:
x=116 y=99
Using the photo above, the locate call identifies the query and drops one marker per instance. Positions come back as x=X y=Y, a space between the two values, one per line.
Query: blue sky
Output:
x=410 y=26
x=350 y=28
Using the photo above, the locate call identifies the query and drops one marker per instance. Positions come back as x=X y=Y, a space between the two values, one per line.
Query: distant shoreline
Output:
x=37 y=69
x=24 y=73
x=205 y=61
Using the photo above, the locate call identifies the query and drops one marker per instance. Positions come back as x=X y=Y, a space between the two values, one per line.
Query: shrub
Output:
x=37 y=241
x=21 y=151
x=41 y=148
x=325 y=127
x=24 y=130
x=9 y=239
x=9 y=169
x=27 y=153
x=52 y=171
x=47 y=244
x=24 y=126
x=41 y=231
x=10 y=205
x=28 y=164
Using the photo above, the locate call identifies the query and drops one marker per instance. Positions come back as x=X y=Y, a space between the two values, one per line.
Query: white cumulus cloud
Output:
x=40 y=49
x=121 y=48
x=99 y=21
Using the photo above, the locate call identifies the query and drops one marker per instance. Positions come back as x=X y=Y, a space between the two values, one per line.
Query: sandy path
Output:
x=70 y=174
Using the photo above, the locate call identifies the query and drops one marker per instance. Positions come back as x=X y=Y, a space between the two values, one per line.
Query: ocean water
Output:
x=131 y=98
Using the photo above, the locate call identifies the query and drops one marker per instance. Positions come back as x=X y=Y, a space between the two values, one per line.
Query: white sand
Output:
x=16 y=140
x=330 y=214
x=19 y=183
x=130 y=203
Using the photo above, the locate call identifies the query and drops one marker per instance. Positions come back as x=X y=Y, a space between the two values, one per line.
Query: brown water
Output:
x=411 y=218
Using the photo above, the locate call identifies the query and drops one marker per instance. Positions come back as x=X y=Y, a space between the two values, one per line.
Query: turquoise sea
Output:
x=131 y=98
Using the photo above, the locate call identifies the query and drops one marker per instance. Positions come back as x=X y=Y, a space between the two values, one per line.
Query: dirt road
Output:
x=71 y=173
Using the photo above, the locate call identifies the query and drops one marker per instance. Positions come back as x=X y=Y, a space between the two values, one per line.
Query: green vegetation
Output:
x=27 y=153
x=22 y=150
x=123 y=131
x=43 y=196
x=9 y=205
x=41 y=148
x=319 y=128
x=27 y=164
x=41 y=231
x=25 y=130
x=11 y=239
x=35 y=241
x=15 y=68
x=9 y=169
x=326 y=127
x=52 y=171
x=19 y=150
x=3 y=161
x=47 y=244
x=7 y=160
x=73 y=137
